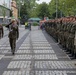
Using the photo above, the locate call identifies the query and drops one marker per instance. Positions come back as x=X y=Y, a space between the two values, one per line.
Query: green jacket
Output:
x=14 y=32
x=26 y=23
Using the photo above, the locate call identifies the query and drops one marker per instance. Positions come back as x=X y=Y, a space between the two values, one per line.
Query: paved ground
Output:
x=36 y=54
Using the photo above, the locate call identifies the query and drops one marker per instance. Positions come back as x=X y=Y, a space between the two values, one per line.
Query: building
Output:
x=6 y=3
x=5 y=14
x=5 y=11
x=8 y=10
x=14 y=9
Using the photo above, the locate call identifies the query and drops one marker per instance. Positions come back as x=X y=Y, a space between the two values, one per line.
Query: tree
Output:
x=52 y=8
x=70 y=7
x=24 y=13
x=65 y=7
x=26 y=9
x=26 y=6
x=42 y=10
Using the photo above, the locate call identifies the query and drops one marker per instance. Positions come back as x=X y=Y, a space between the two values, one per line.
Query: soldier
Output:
x=73 y=51
x=1 y=31
x=60 y=32
x=69 y=25
x=75 y=45
x=13 y=35
x=55 y=31
x=65 y=36
x=71 y=36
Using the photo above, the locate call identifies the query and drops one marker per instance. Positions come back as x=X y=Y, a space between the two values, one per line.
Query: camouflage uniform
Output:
x=13 y=35
x=71 y=38
x=1 y=31
x=61 y=33
x=50 y=28
x=75 y=45
x=58 y=31
x=64 y=30
x=64 y=35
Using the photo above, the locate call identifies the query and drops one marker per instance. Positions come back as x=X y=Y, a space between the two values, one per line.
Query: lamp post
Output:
x=19 y=12
x=20 y=3
x=62 y=10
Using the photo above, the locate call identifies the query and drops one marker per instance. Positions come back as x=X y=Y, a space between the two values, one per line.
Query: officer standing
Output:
x=29 y=24
x=1 y=31
x=13 y=35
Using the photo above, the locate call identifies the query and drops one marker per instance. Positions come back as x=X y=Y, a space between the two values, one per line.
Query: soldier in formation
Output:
x=1 y=31
x=64 y=31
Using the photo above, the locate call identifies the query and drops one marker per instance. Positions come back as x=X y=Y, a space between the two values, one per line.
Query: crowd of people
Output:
x=63 y=30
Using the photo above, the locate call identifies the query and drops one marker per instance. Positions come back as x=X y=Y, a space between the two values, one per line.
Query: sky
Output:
x=8 y=1
x=40 y=1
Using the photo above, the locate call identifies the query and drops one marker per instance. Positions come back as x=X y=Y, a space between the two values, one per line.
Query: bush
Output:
x=3 y=24
x=35 y=24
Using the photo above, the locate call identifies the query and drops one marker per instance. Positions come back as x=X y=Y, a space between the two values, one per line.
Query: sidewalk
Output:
x=38 y=54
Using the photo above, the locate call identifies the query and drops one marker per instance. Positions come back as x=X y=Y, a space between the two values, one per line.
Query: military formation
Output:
x=63 y=30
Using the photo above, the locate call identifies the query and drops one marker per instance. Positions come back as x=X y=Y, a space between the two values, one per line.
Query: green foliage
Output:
x=25 y=7
x=32 y=9
x=52 y=7
x=66 y=7
x=3 y=24
x=35 y=24
x=42 y=10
